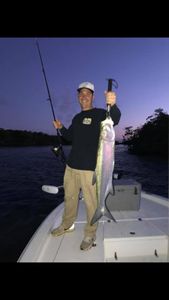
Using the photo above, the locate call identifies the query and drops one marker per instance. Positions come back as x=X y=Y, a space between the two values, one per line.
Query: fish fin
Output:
x=109 y=215
x=94 y=178
x=97 y=215
x=108 y=212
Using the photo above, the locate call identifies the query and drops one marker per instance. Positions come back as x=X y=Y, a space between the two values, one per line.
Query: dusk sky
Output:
x=139 y=65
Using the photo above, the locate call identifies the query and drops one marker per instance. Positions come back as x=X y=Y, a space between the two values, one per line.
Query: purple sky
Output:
x=140 y=65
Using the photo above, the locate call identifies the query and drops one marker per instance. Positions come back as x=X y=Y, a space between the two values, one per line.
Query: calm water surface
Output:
x=23 y=204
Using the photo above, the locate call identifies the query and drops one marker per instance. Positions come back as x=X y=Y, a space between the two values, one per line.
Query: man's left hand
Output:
x=110 y=98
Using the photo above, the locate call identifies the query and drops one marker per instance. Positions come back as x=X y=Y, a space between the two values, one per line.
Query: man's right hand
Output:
x=57 y=124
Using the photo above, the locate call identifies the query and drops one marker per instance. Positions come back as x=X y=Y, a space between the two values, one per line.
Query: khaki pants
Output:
x=74 y=180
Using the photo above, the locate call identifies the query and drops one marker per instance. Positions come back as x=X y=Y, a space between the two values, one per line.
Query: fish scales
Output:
x=104 y=168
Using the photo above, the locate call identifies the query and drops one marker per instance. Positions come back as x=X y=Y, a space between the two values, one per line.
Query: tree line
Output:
x=20 y=138
x=151 y=138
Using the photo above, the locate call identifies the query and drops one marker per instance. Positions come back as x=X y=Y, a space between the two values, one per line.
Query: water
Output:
x=23 y=205
x=151 y=172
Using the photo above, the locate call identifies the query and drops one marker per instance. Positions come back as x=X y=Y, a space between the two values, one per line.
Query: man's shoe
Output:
x=87 y=243
x=61 y=230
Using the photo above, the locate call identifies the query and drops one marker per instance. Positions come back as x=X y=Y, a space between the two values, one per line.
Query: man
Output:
x=84 y=134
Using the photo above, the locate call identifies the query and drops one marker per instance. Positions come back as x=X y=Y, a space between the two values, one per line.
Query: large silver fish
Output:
x=104 y=169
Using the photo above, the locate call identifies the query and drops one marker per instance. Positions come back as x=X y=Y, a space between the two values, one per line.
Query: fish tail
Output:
x=108 y=212
x=97 y=215
x=109 y=215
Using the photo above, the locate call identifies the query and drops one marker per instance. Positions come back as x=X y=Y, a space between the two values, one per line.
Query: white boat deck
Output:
x=138 y=236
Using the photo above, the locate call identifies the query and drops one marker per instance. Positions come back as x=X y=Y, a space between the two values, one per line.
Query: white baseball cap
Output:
x=86 y=85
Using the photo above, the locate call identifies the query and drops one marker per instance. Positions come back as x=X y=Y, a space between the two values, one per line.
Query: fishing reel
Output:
x=58 y=151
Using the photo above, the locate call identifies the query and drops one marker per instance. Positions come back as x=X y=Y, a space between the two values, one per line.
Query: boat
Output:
x=139 y=235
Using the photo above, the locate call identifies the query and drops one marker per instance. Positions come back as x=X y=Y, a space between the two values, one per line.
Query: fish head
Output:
x=107 y=130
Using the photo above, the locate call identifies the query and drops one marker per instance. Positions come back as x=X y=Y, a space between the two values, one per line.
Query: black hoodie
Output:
x=84 y=134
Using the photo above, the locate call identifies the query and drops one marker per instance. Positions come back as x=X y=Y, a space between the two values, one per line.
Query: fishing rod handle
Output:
x=110 y=84
x=109 y=89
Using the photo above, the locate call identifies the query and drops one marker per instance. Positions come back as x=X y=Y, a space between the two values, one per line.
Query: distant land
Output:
x=150 y=139
x=24 y=138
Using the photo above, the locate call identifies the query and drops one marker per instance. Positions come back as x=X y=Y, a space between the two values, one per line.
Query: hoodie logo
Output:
x=87 y=121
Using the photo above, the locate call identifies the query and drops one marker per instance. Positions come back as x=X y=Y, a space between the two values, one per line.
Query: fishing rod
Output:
x=57 y=150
